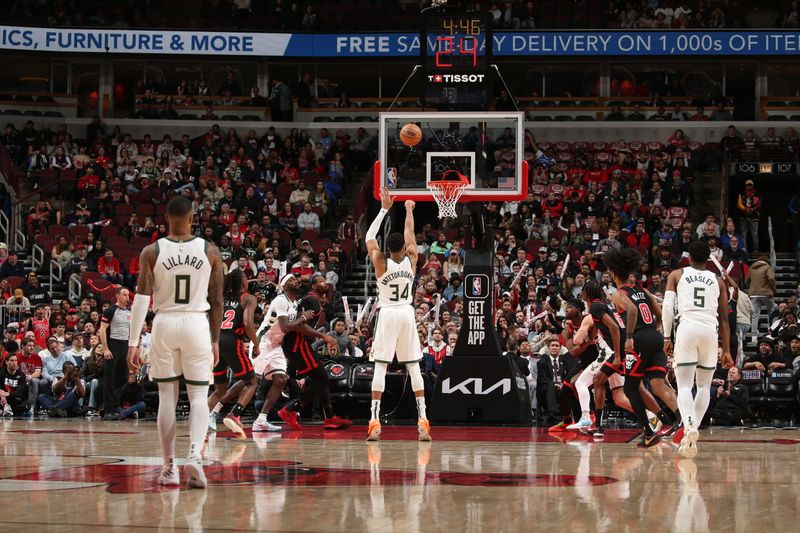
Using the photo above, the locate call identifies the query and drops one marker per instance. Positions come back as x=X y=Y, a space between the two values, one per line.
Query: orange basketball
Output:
x=410 y=134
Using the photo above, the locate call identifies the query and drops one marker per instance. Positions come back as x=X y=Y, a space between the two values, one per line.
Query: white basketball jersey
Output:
x=698 y=297
x=180 y=277
x=395 y=287
x=269 y=329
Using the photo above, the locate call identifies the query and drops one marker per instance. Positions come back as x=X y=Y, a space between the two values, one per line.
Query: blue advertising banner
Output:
x=378 y=45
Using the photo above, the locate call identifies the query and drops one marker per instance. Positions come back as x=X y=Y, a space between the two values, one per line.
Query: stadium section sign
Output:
x=372 y=45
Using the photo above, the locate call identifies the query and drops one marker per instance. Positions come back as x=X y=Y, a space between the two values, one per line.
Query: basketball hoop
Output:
x=448 y=191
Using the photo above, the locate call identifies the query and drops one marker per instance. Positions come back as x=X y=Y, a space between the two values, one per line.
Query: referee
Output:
x=115 y=326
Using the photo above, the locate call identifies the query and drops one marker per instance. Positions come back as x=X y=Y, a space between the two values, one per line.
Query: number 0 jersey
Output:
x=698 y=297
x=641 y=300
x=395 y=287
x=180 y=276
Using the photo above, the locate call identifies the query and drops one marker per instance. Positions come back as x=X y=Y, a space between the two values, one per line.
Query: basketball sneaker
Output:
x=669 y=431
x=583 y=424
x=648 y=441
x=212 y=421
x=678 y=436
x=265 y=426
x=169 y=475
x=599 y=433
x=688 y=447
x=7 y=412
x=374 y=430
x=424 y=430
x=290 y=417
x=196 y=478
x=234 y=424
x=558 y=428
x=336 y=422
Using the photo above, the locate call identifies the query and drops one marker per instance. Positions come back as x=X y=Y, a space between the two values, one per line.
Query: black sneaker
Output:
x=672 y=430
x=599 y=433
x=648 y=441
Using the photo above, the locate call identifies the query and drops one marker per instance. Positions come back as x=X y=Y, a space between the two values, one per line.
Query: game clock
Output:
x=456 y=60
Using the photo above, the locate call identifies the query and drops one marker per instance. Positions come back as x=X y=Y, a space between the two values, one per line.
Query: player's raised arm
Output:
x=668 y=309
x=141 y=303
x=373 y=250
x=724 y=325
x=409 y=235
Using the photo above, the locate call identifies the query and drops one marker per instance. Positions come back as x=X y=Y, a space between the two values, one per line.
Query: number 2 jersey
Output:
x=180 y=276
x=698 y=297
x=233 y=318
x=395 y=286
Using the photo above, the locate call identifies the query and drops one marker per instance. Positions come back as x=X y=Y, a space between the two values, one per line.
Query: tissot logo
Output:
x=456 y=78
x=474 y=386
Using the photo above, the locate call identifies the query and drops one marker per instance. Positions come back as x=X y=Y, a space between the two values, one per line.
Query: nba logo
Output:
x=477 y=285
x=391 y=177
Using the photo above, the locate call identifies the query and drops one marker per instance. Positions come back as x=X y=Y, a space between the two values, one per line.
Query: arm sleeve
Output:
x=141 y=302
x=668 y=313
x=108 y=314
x=372 y=232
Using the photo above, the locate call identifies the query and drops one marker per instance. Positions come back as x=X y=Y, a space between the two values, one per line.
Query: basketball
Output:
x=410 y=134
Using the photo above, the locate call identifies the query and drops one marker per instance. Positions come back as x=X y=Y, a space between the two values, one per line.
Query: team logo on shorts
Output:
x=477 y=285
x=630 y=361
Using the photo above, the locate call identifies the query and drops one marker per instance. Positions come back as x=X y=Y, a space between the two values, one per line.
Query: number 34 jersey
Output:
x=698 y=297
x=180 y=276
x=395 y=286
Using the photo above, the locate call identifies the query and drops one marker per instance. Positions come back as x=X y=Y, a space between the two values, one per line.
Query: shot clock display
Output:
x=456 y=60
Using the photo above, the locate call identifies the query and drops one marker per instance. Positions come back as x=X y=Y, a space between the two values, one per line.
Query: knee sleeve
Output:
x=416 y=377
x=379 y=377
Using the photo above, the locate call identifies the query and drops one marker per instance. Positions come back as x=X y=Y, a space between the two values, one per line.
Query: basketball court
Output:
x=65 y=475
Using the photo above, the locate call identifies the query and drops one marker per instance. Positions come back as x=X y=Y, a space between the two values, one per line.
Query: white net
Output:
x=447 y=194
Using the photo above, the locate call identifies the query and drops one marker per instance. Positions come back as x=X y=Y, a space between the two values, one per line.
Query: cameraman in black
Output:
x=131 y=398
x=732 y=402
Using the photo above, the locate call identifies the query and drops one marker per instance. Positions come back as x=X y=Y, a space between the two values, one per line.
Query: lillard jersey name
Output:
x=181 y=276
x=394 y=287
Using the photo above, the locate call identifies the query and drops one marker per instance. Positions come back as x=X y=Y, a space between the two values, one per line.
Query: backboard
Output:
x=486 y=147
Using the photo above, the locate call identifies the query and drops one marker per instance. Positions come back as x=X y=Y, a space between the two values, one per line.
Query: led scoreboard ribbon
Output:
x=456 y=60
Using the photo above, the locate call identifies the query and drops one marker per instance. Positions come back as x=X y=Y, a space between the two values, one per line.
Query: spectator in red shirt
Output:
x=639 y=238
x=699 y=115
x=552 y=205
x=108 y=266
x=304 y=268
x=133 y=271
x=595 y=174
x=678 y=139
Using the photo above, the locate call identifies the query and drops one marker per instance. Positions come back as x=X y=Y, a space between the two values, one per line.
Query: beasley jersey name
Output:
x=178 y=260
x=693 y=278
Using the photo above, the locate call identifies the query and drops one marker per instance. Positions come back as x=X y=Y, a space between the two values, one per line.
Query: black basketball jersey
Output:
x=600 y=308
x=641 y=300
x=310 y=302
x=233 y=317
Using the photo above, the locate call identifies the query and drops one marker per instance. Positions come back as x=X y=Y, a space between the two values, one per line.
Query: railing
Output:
x=726 y=176
x=74 y=289
x=13 y=313
x=772 y=256
x=37 y=256
x=56 y=274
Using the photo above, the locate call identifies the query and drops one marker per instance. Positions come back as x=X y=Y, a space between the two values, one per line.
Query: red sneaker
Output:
x=678 y=437
x=558 y=428
x=290 y=417
x=336 y=422
x=234 y=424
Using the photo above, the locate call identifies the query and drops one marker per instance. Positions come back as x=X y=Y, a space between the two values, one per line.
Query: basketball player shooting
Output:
x=396 y=331
x=701 y=301
x=185 y=276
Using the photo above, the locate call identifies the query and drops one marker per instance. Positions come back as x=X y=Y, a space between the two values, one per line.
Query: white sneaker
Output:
x=584 y=423
x=265 y=426
x=688 y=447
x=195 y=477
x=212 y=421
x=7 y=411
x=169 y=475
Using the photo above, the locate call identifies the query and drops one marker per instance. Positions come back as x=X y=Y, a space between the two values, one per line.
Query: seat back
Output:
x=781 y=385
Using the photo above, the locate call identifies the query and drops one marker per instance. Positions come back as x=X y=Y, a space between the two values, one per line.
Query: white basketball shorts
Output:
x=396 y=334
x=696 y=344
x=181 y=346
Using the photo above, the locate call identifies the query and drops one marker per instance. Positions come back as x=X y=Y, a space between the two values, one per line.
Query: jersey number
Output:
x=396 y=295
x=647 y=316
x=227 y=322
x=700 y=297
x=182 y=289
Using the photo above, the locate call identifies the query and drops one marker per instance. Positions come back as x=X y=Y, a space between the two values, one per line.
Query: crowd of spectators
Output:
x=264 y=199
x=316 y=15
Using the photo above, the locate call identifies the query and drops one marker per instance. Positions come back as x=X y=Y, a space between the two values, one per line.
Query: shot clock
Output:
x=456 y=60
